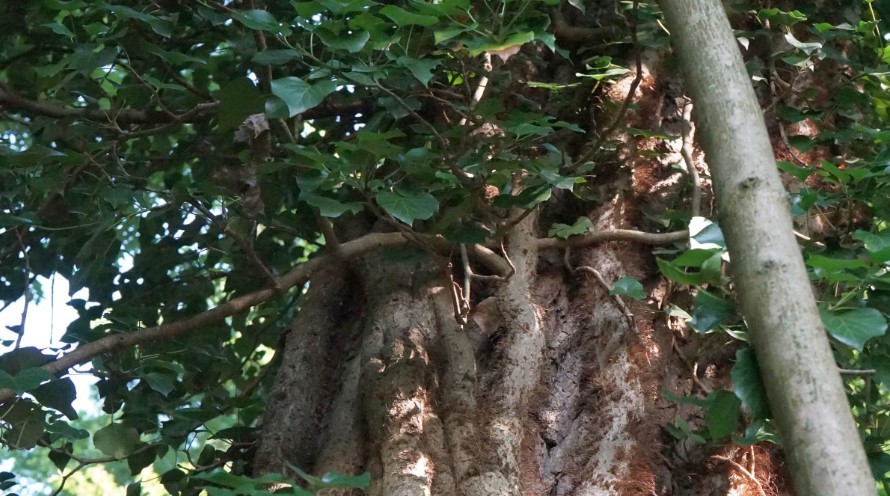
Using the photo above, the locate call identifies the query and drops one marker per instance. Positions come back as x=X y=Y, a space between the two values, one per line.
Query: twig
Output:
x=744 y=471
x=608 y=287
x=480 y=88
x=857 y=371
x=613 y=235
x=692 y=366
x=26 y=293
x=245 y=246
x=686 y=150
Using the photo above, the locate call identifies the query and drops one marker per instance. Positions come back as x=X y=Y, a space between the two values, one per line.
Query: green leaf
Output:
x=63 y=429
x=58 y=394
x=856 y=327
x=514 y=40
x=722 y=416
x=677 y=274
x=276 y=57
x=351 y=42
x=710 y=311
x=27 y=421
x=578 y=4
x=421 y=69
x=408 y=206
x=338 y=480
x=748 y=385
x=238 y=99
x=260 y=20
x=162 y=383
x=59 y=28
x=299 y=95
x=628 y=286
x=328 y=207
x=581 y=226
x=402 y=17
x=705 y=235
x=695 y=258
x=878 y=245
x=117 y=440
x=60 y=458
x=25 y=380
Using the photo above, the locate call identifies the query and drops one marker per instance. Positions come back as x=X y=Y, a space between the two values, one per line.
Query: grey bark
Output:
x=805 y=391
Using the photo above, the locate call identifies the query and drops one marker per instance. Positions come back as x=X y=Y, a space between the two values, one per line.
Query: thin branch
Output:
x=686 y=150
x=614 y=235
x=245 y=246
x=744 y=471
x=27 y=291
x=608 y=287
x=10 y=100
x=857 y=371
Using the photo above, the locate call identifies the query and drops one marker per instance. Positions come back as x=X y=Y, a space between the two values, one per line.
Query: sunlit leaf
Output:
x=408 y=206
x=748 y=385
x=629 y=287
x=855 y=327
x=299 y=95
x=117 y=440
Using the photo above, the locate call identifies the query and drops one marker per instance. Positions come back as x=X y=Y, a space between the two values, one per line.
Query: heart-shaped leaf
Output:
x=408 y=206
x=299 y=95
x=855 y=327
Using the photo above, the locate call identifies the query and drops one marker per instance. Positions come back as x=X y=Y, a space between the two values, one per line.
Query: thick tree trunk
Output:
x=551 y=388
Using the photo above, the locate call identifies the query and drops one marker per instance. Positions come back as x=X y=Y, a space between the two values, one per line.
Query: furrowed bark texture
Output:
x=551 y=387
x=802 y=381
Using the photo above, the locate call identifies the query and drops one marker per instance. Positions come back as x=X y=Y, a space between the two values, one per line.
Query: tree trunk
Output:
x=805 y=389
x=551 y=388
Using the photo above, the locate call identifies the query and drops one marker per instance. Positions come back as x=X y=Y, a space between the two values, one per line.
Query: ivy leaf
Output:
x=299 y=95
x=60 y=458
x=421 y=69
x=677 y=274
x=408 y=206
x=352 y=42
x=58 y=394
x=60 y=28
x=117 y=440
x=338 y=480
x=710 y=311
x=328 y=207
x=578 y=4
x=855 y=327
x=747 y=383
x=238 y=99
x=878 y=245
x=402 y=17
x=260 y=20
x=705 y=235
x=581 y=226
x=276 y=57
x=628 y=286
x=514 y=40
x=161 y=383
x=25 y=380
x=722 y=415
x=26 y=420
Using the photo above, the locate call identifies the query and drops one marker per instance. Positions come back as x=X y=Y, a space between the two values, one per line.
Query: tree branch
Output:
x=614 y=235
x=10 y=100
x=300 y=275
